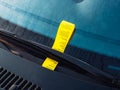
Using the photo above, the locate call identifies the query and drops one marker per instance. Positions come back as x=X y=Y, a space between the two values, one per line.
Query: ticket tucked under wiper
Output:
x=36 y=48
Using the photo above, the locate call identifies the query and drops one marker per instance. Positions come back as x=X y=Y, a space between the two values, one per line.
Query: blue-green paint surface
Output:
x=114 y=67
x=97 y=21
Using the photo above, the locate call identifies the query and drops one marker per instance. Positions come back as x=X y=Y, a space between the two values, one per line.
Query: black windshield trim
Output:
x=35 y=47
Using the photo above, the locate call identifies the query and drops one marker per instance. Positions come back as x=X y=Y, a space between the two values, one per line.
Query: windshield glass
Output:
x=97 y=26
x=97 y=21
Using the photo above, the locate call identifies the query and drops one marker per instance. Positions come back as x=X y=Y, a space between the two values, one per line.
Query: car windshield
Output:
x=96 y=38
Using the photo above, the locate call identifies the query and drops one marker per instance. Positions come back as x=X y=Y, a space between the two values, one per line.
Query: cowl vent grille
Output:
x=10 y=81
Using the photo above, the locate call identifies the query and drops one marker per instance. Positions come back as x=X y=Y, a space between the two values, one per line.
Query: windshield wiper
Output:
x=80 y=66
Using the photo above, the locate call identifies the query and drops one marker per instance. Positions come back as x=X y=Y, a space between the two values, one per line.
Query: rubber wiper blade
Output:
x=36 y=48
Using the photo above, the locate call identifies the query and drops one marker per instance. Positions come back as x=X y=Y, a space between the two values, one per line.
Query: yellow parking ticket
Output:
x=63 y=36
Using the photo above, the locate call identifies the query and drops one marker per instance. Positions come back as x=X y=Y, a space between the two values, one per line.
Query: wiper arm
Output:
x=35 y=49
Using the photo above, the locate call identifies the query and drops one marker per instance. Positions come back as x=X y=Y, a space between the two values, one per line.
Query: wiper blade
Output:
x=35 y=48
